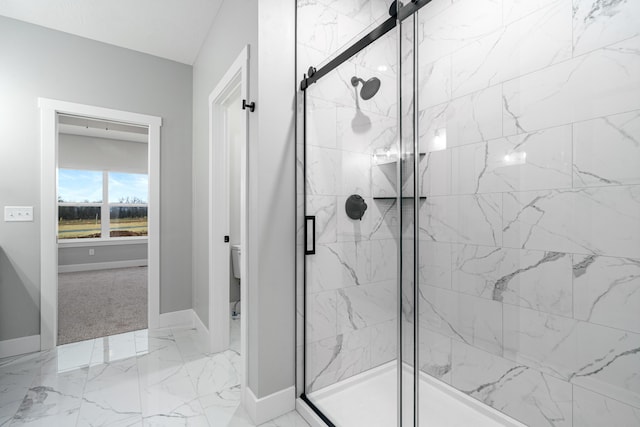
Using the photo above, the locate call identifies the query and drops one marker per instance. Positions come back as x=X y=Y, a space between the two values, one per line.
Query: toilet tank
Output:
x=235 y=260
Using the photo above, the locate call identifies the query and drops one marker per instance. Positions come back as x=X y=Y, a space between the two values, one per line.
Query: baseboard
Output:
x=177 y=318
x=70 y=268
x=197 y=323
x=17 y=346
x=271 y=406
x=308 y=414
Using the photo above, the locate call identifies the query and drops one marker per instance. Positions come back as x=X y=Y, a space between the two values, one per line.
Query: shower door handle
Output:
x=310 y=235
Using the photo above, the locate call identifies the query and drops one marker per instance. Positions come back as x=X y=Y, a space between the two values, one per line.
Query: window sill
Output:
x=79 y=243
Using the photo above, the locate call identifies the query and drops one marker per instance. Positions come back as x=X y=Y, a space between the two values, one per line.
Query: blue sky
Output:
x=81 y=186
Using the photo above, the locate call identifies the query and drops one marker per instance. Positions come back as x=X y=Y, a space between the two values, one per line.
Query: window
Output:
x=85 y=198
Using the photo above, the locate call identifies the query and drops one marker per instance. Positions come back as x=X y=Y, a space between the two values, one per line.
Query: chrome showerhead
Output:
x=369 y=88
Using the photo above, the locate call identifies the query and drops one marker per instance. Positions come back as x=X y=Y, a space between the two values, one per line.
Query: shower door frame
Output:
x=314 y=75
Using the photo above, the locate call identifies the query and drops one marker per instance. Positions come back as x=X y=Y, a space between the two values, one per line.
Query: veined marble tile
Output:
x=435 y=355
x=434 y=81
x=516 y=9
x=173 y=393
x=323 y=171
x=355 y=174
x=384 y=342
x=290 y=419
x=339 y=265
x=113 y=348
x=384 y=178
x=324 y=209
x=337 y=358
x=607 y=291
x=532 y=161
x=364 y=131
x=606 y=151
x=336 y=86
x=16 y=376
x=456 y=26
x=221 y=407
x=111 y=394
x=384 y=260
x=321 y=123
x=597 y=23
x=474 y=321
x=565 y=93
x=596 y=357
x=367 y=305
x=533 y=279
x=523 y=393
x=53 y=399
x=602 y=220
x=464 y=120
x=531 y=43
x=381 y=56
x=321 y=26
x=321 y=315
x=383 y=219
x=212 y=374
x=435 y=264
x=435 y=173
x=473 y=219
x=594 y=410
x=356 y=9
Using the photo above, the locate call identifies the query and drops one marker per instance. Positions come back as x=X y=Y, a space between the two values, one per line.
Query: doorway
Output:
x=111 y=223
x=228 y=216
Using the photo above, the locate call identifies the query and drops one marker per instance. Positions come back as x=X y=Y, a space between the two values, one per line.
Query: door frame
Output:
x=236 y=77
x=49 y=109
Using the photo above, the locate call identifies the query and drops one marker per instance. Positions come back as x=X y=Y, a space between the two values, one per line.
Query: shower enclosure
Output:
x=469 y=212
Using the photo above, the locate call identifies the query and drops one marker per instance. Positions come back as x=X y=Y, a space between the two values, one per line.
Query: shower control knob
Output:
x=355 y=207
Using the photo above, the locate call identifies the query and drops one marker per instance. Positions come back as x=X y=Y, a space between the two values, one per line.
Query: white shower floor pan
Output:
x=370 y=399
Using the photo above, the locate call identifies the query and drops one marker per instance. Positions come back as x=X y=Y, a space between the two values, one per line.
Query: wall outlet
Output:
x=18 y=213
x=92 y=252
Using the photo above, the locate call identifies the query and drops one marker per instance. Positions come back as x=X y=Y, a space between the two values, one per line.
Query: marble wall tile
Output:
x=321 y=26
x=435 y=264
x=434 y=82
x=534 y=42
x=363 y=131
x=607 y=291
x=604 y=220
x=474 y=321
x=339 y=265
x=523 y=393
x=435 y=355
x=463 y=219
x=321 y=315
x=359 y=10
x=324 y=209
x=606 y=151
x=565 y=93
x=464 y=120
x=384 y=342
x=516 y=9
x=384 y=256
x=337 y=358
x=355 y=174
x=367 y=305
x=532 y=161
x=383 y=218
x=594 y=410
x=456 y=26
x=533 y=279
x=322 y=164
x=435 y=173
x=321 y=123
x=597 y=24
x=379 y=57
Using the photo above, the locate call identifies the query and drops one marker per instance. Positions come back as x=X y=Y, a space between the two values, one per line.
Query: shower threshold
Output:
x=370 y=399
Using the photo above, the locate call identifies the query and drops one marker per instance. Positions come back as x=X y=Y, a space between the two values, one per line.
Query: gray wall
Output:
x=38 y=62
x=103 y=253
x=271 y=179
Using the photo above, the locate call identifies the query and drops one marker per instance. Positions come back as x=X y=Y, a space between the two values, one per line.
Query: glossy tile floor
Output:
x=150 y=378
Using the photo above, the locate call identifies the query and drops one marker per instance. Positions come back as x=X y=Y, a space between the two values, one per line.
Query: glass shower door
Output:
x=353 y=166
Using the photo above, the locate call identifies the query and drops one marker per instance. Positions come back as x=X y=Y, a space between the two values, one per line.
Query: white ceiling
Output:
x=172 y=29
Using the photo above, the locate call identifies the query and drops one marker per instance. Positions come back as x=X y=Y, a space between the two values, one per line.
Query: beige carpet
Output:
x=94 y=304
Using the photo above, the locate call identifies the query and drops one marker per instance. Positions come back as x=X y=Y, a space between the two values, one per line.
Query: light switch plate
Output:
x=18 y=213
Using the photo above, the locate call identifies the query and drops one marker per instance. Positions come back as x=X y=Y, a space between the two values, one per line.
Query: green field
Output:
x=91 y=228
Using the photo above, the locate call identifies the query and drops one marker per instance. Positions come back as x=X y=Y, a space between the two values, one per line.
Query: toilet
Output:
x=235 y=260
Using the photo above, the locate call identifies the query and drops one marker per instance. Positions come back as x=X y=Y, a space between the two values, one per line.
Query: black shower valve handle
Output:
x=355 y=207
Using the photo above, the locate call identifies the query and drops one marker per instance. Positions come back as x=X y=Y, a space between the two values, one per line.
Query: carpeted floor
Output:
x=94 y=304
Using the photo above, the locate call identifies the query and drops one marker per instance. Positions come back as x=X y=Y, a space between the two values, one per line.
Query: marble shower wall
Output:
x=351 y=280
x=530 y=236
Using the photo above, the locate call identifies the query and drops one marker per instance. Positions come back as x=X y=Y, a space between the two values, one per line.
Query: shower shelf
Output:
x=394 y=198
x=393 y=159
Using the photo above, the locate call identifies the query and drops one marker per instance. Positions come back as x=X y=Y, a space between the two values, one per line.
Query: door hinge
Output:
x=226 y=239
x=251 y=106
